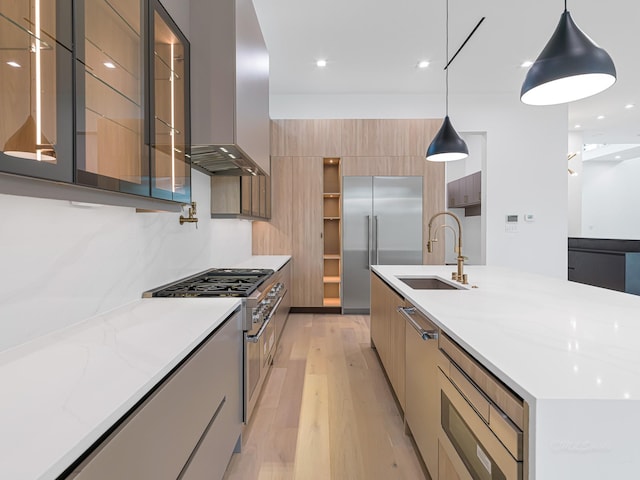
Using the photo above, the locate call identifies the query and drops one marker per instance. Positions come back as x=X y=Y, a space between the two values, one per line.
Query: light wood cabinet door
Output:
x=307 y=228
x=378 y=325
x=397 y=345
x=422 y=412
x=388 y=334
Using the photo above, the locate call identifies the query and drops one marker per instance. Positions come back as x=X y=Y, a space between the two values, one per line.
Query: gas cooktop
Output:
x=216 y=282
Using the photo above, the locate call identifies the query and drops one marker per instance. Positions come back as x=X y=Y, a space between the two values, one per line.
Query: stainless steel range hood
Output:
x=229 y=89
x=223 y=160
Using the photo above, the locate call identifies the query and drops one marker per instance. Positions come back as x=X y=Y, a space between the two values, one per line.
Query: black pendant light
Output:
x=569 y=68
x=447 y=145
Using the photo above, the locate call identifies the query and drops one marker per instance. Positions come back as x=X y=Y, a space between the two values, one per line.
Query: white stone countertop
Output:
x=62 y=391
x=572 y=351
x=274 y=262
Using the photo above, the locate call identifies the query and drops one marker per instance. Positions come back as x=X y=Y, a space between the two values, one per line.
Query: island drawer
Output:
x=512 y=405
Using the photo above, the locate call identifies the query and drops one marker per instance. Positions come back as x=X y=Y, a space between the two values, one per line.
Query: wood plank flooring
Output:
x=326 y=411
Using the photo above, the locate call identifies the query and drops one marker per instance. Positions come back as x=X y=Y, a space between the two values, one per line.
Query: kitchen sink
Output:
x=429 y=283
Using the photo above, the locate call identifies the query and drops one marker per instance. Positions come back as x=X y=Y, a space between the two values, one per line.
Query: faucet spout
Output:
x=457 y=248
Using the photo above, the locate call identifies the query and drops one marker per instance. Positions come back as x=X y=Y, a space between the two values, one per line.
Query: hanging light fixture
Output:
x=447 y=145
x=569 y=68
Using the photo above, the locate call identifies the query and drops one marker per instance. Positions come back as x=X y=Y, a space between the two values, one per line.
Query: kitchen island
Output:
x=570 y=351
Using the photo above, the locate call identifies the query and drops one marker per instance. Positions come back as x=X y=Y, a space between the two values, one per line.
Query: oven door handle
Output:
x=256 y=338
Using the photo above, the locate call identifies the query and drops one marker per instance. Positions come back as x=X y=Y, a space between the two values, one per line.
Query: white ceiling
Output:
x=373 y=46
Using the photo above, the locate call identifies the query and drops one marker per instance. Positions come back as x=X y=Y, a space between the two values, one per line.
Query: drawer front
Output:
x=493 y=388
x=156 y=440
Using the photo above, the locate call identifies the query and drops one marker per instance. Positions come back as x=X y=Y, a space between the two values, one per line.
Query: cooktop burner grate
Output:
x=216 y=282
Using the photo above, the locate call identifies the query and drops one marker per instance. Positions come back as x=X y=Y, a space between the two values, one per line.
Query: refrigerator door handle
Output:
x=368 y=242
x=375 y=238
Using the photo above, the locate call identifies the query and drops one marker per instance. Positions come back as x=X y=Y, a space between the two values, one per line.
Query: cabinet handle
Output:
x=425 y=334
x=375 y=236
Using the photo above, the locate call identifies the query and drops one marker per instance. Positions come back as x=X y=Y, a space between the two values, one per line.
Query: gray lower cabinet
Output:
x=188 y=427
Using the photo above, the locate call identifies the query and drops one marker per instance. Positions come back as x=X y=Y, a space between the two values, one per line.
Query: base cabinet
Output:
x=388 y=334
x=188 y=427
x=422 y=412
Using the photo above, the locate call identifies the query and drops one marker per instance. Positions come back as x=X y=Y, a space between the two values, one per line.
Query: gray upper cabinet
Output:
x=36 y=130
x=230 y=88
x=108 y=110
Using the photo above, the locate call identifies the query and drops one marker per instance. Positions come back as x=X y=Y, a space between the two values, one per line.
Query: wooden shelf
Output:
x=332 y=216
x=332 y=302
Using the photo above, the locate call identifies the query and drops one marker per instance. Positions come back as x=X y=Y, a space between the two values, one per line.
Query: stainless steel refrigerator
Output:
x=382 y=226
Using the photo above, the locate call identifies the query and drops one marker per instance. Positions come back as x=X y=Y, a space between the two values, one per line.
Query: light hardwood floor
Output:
x=326 y=411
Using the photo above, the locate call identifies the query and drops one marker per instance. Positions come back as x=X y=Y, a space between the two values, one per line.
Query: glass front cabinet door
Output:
x=110 y=108
x=36 y=124
x=169 y=102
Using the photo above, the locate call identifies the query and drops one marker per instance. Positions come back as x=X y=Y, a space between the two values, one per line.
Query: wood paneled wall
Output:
x=366 y=147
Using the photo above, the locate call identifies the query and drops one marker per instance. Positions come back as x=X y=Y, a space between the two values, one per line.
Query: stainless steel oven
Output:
x=477 y=440
x=260 y=340
x=261 y=291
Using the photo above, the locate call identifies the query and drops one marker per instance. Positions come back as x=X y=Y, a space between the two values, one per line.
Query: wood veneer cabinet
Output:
x=245 y=196
x=388 y=334
x=364 y=147
x=332 y=216
x=307 y=232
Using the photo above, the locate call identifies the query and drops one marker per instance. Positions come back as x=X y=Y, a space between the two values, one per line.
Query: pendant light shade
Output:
x=447 y=145
x=569 y=68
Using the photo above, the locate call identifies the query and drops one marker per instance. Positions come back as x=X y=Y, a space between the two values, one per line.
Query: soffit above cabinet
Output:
x=230 y=88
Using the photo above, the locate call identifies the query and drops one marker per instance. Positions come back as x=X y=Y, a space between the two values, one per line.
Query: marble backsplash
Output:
x=61 y=263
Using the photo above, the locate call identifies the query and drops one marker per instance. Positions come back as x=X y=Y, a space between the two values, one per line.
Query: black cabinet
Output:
x=612 y=264
x=36 y=130
x=109 y=110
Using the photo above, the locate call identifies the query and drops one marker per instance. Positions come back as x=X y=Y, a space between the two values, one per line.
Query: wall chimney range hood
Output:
x=229 y=89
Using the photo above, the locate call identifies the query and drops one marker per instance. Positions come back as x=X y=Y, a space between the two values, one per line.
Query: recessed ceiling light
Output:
x=423 y=64
x=526 y=64
x=577 y=125
x=617 y=157
x=600 y=117
x=109 y=65
x=321 y=63
x=13 y=64
x=629 y=105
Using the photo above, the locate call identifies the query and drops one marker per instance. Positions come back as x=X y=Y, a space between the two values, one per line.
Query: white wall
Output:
x=526 y=163
x=610 y=199
x=575 y=186
x=62 y=263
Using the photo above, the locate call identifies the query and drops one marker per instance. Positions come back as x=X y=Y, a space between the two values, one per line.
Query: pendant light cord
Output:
x=447 y=58
x=565 y=5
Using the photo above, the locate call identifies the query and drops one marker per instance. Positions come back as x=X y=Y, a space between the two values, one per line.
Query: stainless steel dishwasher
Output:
x=422 y=393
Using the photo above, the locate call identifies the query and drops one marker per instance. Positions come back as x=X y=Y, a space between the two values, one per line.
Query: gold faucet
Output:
x=192 y=216
x=460 y=276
